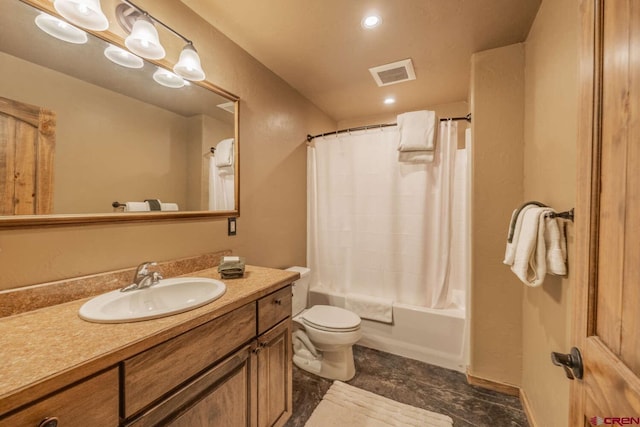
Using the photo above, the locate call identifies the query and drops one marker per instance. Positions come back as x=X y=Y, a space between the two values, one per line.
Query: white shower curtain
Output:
x=376 y=226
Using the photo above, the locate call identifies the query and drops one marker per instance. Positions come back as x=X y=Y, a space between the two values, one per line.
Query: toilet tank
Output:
x=300 y=289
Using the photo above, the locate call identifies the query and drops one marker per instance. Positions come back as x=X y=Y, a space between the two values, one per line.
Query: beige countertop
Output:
x=48 y=348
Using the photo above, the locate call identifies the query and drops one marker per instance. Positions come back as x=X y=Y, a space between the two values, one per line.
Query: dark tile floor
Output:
x=414 y=383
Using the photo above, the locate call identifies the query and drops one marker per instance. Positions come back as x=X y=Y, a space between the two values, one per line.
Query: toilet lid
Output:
x=329 y=318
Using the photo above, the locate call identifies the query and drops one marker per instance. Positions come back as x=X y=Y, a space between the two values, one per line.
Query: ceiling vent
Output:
x=397 y=72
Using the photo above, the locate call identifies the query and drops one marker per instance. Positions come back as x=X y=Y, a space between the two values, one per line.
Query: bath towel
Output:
x=415 y=156
x=224 y=153
x=136 y=207
x=417 y=131
x=368 y=307
x=556 y=245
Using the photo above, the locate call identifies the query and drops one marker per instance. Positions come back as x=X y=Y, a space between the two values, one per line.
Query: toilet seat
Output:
x=331 y=319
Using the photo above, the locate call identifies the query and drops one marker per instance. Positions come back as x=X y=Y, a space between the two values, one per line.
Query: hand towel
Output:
x=169 y=207
x=515 y=225
x=530 y=263
x=136 y=207
x=154 y=204
x=417 y=131
x=368 y=307
x=556 y=246
x=231 y=267
x=224 y=153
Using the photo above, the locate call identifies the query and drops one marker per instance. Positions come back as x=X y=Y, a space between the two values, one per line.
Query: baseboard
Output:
x=526 y=407
x=503 y=388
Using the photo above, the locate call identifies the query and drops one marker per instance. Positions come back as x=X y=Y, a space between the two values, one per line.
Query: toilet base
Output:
x=334 y=365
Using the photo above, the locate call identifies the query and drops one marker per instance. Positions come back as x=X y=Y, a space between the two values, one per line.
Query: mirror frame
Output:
x=115 y=217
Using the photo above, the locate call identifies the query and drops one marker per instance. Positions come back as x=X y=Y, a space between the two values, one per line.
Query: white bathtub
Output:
x=435 y=336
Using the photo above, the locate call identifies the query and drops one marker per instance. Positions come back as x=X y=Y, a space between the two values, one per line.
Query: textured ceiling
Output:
x=319 y=47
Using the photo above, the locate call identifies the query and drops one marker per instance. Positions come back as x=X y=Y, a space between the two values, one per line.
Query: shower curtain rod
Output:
x=379 y=126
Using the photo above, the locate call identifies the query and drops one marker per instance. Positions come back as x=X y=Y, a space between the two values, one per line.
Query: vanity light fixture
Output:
x=61 y=30
x=83 y=13
x=123 y=57
x=371 y=21
x=168 y=79
x=144 y=40
x=188 y=65
x=389 y=101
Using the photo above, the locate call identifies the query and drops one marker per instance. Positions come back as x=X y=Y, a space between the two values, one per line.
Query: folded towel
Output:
x=154 y=204
x=224 y=153
x=515 y=225
x=417 y=131
x=136 y=207
x=169 y=207
x=368 y=307
x=556 y=245
x=415 y=156
x=231 y=267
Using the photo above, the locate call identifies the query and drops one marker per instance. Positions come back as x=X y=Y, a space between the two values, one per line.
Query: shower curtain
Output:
x=376 y=226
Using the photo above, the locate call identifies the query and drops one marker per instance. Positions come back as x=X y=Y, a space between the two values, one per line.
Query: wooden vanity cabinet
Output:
x=92 y=402
x=232 y=371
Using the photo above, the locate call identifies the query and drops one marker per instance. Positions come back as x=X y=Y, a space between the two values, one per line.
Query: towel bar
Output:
x=568 y=215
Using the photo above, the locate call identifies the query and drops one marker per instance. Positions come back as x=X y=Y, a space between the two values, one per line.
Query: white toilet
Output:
x=323 y=335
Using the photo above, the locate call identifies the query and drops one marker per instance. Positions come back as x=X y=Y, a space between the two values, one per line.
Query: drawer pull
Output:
x=278 y=301
x=49 y=422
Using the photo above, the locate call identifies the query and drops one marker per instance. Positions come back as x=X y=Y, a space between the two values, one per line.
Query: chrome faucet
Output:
x=143 y=278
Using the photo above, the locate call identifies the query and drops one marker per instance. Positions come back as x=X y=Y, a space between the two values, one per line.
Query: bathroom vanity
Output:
x=227 y=363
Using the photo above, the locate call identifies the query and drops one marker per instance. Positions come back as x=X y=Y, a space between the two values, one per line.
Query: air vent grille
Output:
x=396 y=72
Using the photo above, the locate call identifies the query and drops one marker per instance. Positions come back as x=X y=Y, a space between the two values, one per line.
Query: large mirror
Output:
x=83 y=139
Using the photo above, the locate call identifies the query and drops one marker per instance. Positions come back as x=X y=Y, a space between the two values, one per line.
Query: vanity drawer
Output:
x=273 y=308
x=152 y=374
x=93 y=402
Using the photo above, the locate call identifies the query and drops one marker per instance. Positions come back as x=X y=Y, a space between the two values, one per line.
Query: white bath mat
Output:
x=345 y=405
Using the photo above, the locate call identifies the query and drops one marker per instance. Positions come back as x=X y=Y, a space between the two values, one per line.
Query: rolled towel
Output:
x=231 y=267
x=169 y=207
x=136 y=207
x=417 y=131
x=368 y=307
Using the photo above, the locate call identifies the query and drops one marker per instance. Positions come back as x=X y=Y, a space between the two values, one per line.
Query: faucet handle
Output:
x=143 y=268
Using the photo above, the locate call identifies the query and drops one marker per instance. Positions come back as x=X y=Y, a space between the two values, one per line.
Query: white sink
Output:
x=168 y=297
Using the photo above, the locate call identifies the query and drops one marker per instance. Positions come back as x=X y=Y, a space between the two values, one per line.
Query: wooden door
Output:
x=607 y=299
x=27 y=146
x=274 y=375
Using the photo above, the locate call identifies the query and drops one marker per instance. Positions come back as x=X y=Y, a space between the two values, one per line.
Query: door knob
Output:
x=571 y=362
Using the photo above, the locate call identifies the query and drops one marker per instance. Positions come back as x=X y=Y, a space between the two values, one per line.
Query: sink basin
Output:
x=168 y=297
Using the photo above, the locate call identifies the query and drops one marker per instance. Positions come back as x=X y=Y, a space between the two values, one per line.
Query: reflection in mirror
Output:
x=109 y=137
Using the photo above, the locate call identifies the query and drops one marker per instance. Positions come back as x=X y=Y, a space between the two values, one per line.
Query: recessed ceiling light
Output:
x=371 y=21
x=389 y=100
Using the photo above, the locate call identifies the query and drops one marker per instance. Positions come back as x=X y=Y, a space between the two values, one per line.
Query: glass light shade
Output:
x=168 y=79
x=123 y=57
x=188 y=65
x=144 y=40
x=84 y=13
x=59 y=29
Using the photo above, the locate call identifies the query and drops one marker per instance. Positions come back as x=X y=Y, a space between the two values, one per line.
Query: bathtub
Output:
x=434 y=336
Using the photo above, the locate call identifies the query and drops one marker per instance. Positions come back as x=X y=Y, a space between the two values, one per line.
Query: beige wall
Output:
x=497 y=94
x=551 y=110
x=108 y=146
x=272 y=227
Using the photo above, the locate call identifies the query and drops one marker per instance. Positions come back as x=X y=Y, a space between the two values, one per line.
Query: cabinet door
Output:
x=274 y=375
x=93 y=402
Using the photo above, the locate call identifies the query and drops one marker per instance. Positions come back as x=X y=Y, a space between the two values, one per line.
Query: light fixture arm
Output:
x=148 y=15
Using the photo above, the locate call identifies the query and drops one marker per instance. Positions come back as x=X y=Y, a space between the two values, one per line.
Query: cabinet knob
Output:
x=278 y=301
x=49 y=422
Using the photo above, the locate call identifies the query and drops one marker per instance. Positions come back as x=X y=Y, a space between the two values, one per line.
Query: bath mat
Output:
x=345 y=405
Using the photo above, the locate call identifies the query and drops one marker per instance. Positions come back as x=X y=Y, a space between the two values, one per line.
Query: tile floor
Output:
x=414 y=383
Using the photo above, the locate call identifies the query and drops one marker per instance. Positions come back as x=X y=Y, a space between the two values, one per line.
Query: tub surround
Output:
x=20 y=300
x=49 y=348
